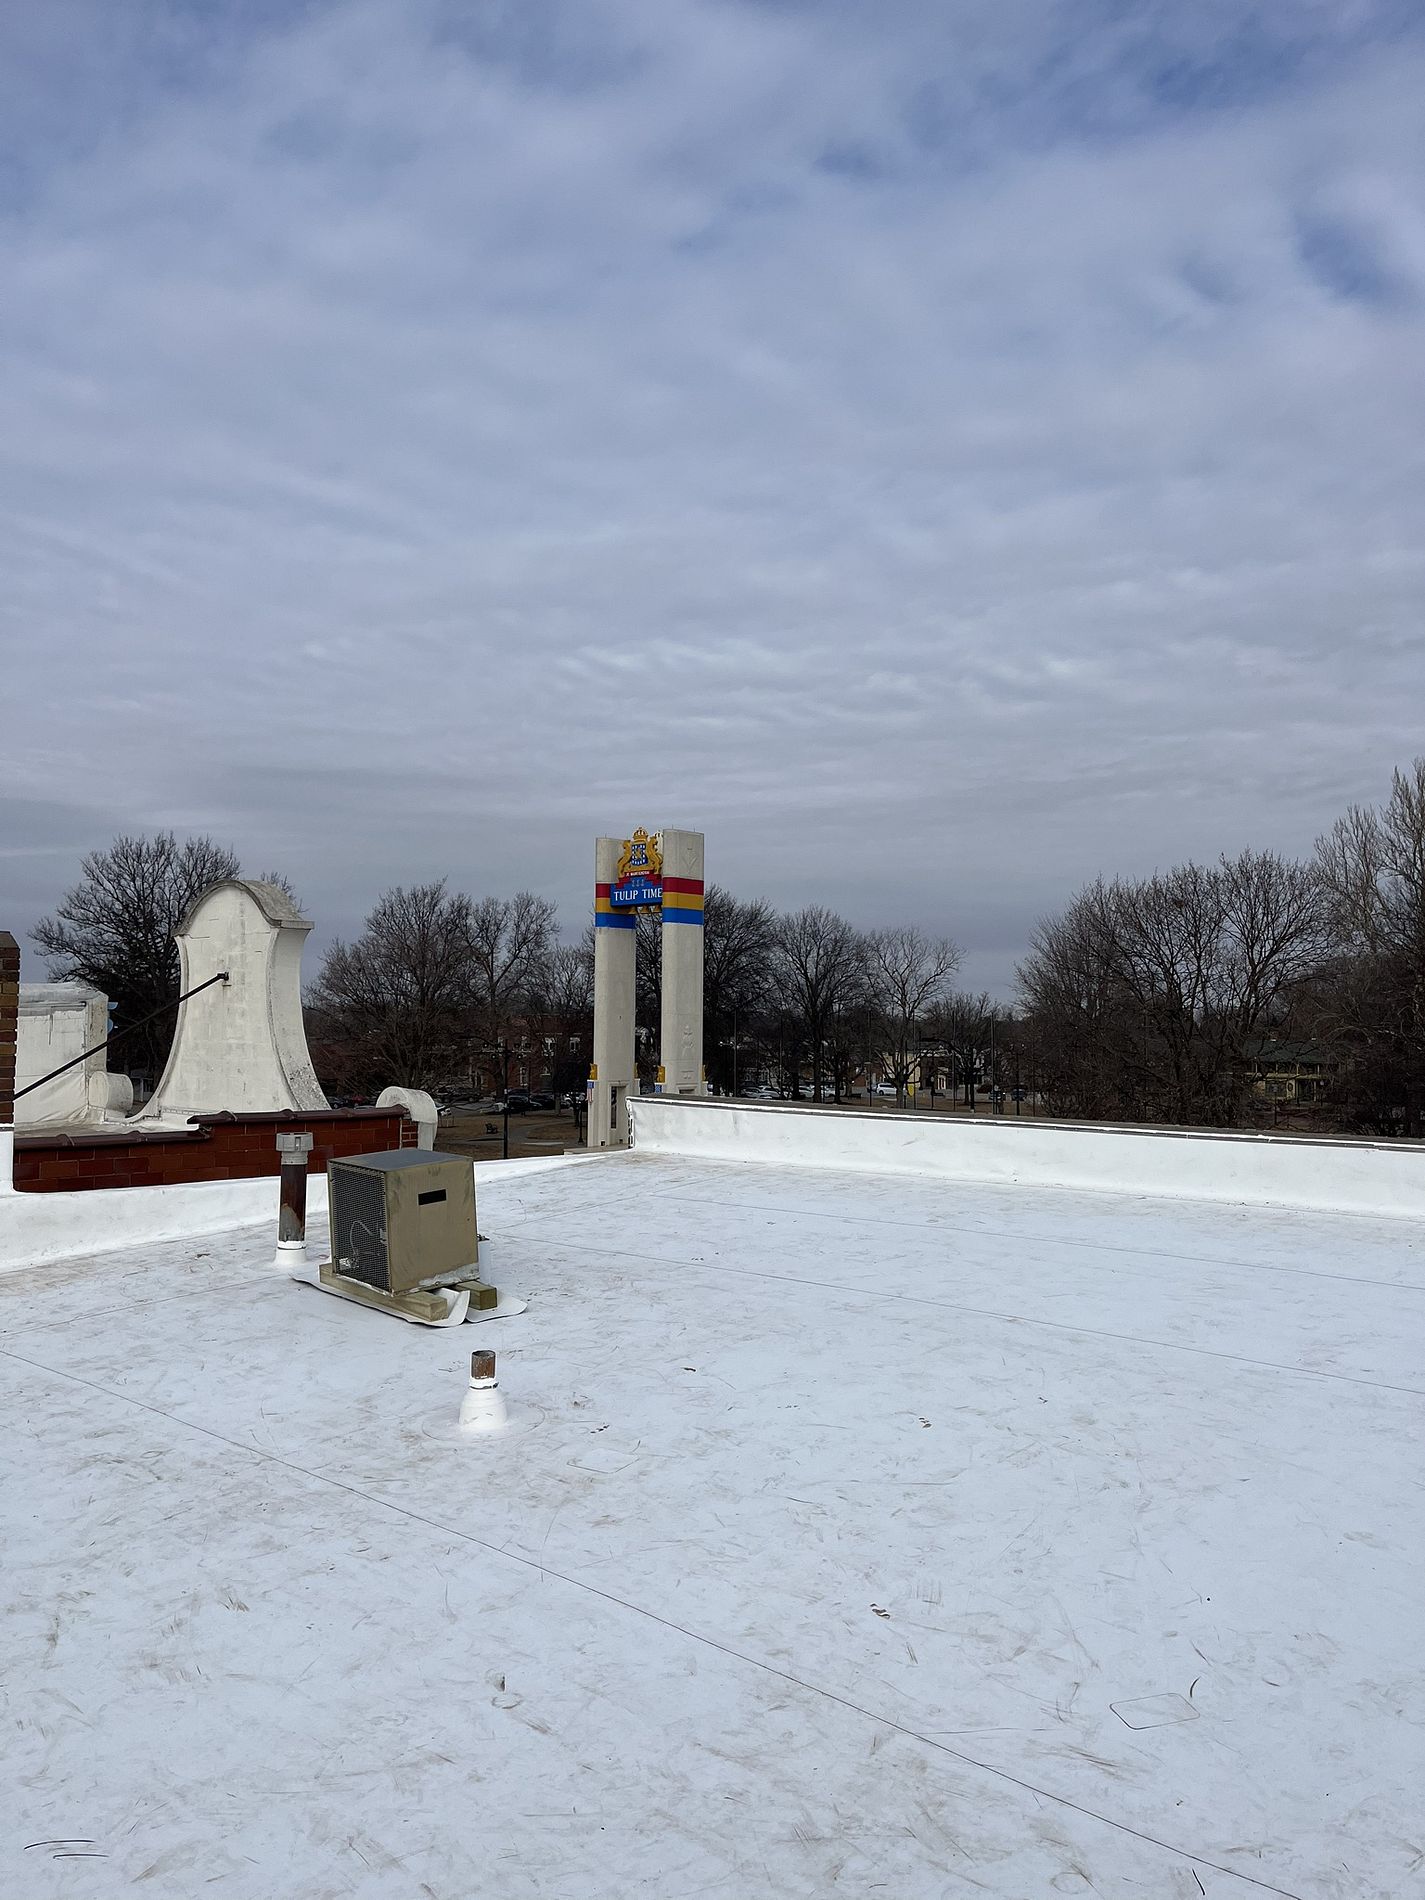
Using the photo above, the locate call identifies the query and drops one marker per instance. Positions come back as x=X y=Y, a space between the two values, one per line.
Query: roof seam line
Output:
x=883 y=1297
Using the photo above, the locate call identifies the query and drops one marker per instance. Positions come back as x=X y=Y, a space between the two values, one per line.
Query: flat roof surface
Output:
x=852 y=1533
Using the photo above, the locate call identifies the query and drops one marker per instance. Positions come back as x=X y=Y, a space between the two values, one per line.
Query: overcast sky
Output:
x=942 y=449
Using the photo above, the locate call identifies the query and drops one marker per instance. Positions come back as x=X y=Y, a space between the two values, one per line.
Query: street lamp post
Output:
x=501 y=1049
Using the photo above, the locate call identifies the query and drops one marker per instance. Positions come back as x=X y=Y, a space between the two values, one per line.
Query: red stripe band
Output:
x=692 y=885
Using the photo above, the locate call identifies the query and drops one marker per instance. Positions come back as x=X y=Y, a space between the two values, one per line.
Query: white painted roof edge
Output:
x=39 y=1228
x=922 y=1118
x=1380 y=1179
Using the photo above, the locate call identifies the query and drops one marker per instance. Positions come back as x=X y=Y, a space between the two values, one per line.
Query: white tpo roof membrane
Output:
x=885 y=1536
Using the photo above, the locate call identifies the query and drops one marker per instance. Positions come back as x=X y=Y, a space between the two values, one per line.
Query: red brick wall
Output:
x=9 y=1023
x=221 y=1148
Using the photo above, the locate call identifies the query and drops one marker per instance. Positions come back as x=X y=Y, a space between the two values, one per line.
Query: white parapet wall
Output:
x=1365 y=1177
x=35 y=1228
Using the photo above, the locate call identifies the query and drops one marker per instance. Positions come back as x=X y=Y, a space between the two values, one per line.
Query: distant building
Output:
x=1291 y=1072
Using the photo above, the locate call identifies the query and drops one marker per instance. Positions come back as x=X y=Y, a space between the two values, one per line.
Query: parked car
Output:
x=515 y=1103
x=884 y=1091
x=540 y=1098
x=761 y=1095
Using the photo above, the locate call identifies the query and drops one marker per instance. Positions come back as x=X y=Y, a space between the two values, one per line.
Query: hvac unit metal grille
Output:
x=358 y=1199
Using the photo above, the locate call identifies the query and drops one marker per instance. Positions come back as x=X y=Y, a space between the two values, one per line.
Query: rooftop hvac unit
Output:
x=403 y=1220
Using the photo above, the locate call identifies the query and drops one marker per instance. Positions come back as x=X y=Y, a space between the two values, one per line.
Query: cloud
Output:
x=943 y=450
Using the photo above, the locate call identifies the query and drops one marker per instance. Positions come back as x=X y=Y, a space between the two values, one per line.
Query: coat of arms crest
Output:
x=641 y=857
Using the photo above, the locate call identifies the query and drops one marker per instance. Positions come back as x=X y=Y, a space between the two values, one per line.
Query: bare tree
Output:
x=115 y=930
x=1081 y=1018
x=509 y=939
x=562 y=1006
x=739 y=944
x=400 y=1002
x=964 y=1027
x=850 y=1037
x=1148 y=998
x=1372 y=999
x=907 y=974
x=820 y=972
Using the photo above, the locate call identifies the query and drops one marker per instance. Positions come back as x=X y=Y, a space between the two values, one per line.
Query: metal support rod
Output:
x=128 y=1028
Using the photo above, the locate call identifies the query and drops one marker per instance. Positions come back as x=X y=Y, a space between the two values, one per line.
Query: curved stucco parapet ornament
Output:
x=239 y=1045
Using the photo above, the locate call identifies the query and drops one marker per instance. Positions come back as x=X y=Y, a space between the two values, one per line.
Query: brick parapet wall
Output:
x=9 y=1023
x=226 y=1147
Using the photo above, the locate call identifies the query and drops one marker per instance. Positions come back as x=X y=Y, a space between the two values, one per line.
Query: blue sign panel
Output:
x=635 y=892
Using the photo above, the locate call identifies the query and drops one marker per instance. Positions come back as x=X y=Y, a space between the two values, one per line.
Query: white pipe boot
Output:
x=483 y=1407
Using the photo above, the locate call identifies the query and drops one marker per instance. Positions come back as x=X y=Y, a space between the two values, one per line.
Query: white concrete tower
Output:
x=681 y=1047
x=611 y=1079
x=240 y=1044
